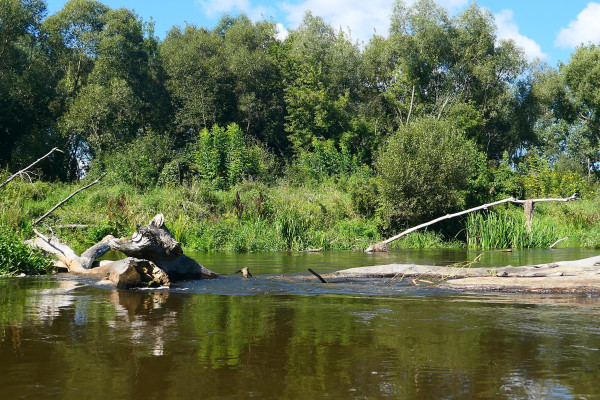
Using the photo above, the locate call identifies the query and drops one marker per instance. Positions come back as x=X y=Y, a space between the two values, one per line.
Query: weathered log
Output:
x=155 y=243
x=529 y=204
x=154 y=258
x=584 y=267
x=565 y=276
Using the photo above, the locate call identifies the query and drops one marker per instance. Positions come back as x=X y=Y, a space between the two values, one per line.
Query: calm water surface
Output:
x=270 y=338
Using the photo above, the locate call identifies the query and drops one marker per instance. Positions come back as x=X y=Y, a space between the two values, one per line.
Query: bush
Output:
x=138 y=164
x=16 y=257
x=424 y=170
x=323 y=161
x=224 y=157
x=540 y=179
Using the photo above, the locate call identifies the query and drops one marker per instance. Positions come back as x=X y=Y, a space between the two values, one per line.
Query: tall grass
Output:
x=253 y=216
x=503 y=230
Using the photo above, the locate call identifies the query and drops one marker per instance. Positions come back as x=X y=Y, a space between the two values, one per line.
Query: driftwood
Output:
x=154 y=258
x=528 y=204
x=37 y=221
x=557 y=242
x=29 y=166
x=245 y=272
x=317 y=275
x=578 y=275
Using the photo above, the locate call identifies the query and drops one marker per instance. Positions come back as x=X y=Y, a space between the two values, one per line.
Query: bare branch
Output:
x=443 y=106
x=557 y=242
x=67 y=199
x=29 y=166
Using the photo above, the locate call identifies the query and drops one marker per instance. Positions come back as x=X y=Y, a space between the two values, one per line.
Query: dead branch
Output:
x=67 y=199
x=412 y=98
x=317 y=275
x=557 y=242
x=382 y=246
x=29 y=166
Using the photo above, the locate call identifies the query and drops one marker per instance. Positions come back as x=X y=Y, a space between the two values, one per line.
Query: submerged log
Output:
x=154 y=258
x=577 y=275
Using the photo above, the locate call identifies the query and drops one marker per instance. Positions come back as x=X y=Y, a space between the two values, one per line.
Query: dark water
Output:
x=273 y=339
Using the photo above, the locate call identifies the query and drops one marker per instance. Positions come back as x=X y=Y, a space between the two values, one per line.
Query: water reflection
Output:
x=68 y=339
x=137 y=314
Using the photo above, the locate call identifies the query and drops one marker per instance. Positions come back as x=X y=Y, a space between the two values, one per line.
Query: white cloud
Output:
x=508 y=29
x=361 y=17
x=282 y=33
x=586 y=28
x=216 y=7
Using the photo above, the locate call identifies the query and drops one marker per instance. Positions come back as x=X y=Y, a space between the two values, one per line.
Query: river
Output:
x=271 y=338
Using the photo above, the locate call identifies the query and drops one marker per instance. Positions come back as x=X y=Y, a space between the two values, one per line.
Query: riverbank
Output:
x=256 y=217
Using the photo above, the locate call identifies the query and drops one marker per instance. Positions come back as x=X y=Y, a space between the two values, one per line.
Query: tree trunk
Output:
x=154 y=258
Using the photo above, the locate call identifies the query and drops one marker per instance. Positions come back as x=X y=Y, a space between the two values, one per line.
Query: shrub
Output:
x=324 y=160
x=16 y=257
x=138 y=164
x=541 y=179
x=224 y=157
x=424 y=170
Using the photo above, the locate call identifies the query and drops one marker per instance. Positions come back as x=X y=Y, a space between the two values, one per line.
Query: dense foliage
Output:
x=437 y=115
x=16 y=257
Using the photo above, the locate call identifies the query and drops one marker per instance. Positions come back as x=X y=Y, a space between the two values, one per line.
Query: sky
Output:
x=548 y=30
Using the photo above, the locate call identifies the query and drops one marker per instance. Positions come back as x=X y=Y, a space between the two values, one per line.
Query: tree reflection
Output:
x=85 y=342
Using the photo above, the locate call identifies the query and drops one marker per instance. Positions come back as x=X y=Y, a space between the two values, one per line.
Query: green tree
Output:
x=582 y=82
x=118 y=97
x=424 y=170
x=435 y=65
x=251 y=52
x=27 y=80
x=322 y=87
x=197 y=79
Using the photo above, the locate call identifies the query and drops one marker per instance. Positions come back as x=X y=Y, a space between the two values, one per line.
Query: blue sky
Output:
x=549 y=30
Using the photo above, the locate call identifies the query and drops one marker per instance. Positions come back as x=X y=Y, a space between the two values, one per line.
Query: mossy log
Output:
x=154 y=258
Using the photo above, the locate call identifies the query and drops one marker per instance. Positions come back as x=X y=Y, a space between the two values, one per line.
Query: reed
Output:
x=505 y=230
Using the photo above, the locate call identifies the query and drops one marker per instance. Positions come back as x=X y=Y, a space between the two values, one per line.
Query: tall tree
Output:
x=435 y=65
x=26 y=84
x=114 y=96
x=322 y=86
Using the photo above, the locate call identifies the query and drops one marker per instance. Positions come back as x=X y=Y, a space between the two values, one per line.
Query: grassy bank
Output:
x=252 y=216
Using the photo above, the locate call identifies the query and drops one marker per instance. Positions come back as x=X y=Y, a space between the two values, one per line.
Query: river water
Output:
x=274 y=338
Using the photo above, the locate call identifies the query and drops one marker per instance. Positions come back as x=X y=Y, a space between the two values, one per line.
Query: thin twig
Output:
x=67 y=199
x=31 y=165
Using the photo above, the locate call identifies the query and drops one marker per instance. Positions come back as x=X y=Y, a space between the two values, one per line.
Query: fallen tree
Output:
x=528 y=205
x=573 y=276
x=154 y=258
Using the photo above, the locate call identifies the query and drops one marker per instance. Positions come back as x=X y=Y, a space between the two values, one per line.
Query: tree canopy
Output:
x=97 y=82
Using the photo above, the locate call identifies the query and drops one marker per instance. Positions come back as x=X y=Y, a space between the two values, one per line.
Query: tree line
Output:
x=439 y=109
